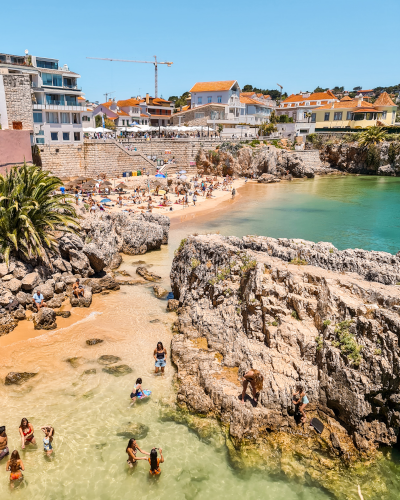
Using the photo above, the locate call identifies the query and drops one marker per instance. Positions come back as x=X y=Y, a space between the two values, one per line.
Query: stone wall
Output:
x=188 y=116
x=17 y=90
x=15 y=148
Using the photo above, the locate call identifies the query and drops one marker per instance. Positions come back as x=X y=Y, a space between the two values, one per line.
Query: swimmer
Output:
x=155 y=462
x=26 y=431
x=48 y=439
x=131 y=450
x=15 y=466
x=138 y=391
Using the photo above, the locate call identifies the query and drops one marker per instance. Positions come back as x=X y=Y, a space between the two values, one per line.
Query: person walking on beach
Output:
x=155 y=462
x=256 y=381
x=131 y=450
x=194 y=199
x=301 y=401
x=233 y=193
x=48 y=439
x=160 y=354
x=4 y=451
x=15 y=466
x=26 y=431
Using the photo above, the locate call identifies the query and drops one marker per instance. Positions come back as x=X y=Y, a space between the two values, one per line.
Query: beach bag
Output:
x=317 y=425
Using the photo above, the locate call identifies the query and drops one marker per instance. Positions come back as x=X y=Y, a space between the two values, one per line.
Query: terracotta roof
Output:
x=185 y=108
x=346 y=98
x=316 y=96
x=347 y=105
x=80 y=98
x=122 y=113
x=212 y=86
x=127 y=103
x=362 y=91
x=107 y=104
x=112 y=117
x=249 y=100
x=364 y=109
x=384 y=100
x=159 y=99
x=146 y=116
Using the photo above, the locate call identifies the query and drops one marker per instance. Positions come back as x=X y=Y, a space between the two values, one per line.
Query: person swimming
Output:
x=48 y=439
x=138 y=391
x=155 y=462
x=15 y=466
x=131 y=450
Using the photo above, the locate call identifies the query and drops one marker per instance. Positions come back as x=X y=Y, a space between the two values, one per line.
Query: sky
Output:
x=300 y=45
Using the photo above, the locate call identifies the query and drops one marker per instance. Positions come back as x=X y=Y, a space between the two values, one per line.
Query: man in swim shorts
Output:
x=38 y=300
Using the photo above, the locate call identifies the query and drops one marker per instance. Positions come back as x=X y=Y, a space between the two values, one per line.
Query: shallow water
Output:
x=88 y=410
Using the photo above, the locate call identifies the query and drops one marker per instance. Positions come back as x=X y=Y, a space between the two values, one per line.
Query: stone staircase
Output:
x=311 y=159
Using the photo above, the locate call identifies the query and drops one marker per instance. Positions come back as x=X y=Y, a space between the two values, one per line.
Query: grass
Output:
x=378 y=352
x=347 y=343
x=195 y=263
x=298 y=262
x=326 y=323
x=181 y=245
x=320 y=342
x=295 y=315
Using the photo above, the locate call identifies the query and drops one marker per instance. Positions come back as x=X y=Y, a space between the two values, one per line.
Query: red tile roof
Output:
x=213 y=86
x=384 y=100
x=316 y=96
x=128 y=103
x=353 y=103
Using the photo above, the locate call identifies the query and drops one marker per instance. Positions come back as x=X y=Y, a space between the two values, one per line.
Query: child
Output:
x=48 y=439
x=138 y=391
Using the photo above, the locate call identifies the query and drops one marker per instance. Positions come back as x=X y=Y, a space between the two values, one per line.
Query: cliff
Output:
x=244 y=305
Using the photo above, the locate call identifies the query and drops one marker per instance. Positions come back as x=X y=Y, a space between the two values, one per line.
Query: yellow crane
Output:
x=155 y=62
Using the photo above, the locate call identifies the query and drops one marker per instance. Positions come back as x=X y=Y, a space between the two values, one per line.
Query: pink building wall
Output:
x=15 y=147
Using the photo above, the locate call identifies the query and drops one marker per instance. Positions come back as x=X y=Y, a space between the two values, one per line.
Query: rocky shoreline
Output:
x=90 y=256
x=333 y=326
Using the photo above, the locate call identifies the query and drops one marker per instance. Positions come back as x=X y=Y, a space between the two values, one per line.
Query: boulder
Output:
x=63 y=314
x=146 y=274
x=80 y=263
x=19 y=314
x=91 y=371
x=108 y=359
x=96 y=257
x=386 y=170
x=160 y=292
x=24 y=298
x=115 y=261
x=94 y=342
x=7 y=278
x=62 y=265
x=173 y=305
x=6 y=297
x=55 y=302
x=14 y=285
x=45 y=319
x=134 y=430
x=21 y=270
x=18 y=378
x=70 y=242
x=3 y=269
x=59 y=287
x=118 y=371
x=47 y=290
x=98 y=285
x=76 y=361
x=84 y=301
x=30 y=281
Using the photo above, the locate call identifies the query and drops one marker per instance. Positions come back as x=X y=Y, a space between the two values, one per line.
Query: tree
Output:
x=107 y=122
x=357 y=88
x=272 y=117
x=372 y=135
x=320 y=89
x=267 y=129
x=30 y=214
x=247 y=88
x=173 y=98
x=338 y=89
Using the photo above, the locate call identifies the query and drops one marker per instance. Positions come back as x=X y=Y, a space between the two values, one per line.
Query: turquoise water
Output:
x=349 y=211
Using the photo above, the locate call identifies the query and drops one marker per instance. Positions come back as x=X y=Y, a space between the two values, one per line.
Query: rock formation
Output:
x=243 y=305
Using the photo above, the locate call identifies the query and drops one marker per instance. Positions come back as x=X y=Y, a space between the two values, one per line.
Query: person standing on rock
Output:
x=300 y=399
x=160 y=354
x=256 y=380
x=38 y=300
x=4 y=451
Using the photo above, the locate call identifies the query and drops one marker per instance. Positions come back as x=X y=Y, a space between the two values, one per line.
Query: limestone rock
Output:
x=98 y=285
x=70 y=242
x=18 y=378
x=173 y=305
x=146 y=274
x=118 y=371
x=59 y=287
x=14 y=285
x=108 y=359
x=21 y=270
x=47 y=291
x=80 y=263
x=24 y=298
x=62 y=265
x=30 y=281
x=3 y=269
x=134 y=430
x=94 y=342
x=386 y=170
x=45 y=319
x=91 y=371
x=96 y=257
x=63 y=314
x=6 y=297
x=55 y=302
x=80 y=301
x=19 y=314
x=160 y=292
x=76 y=361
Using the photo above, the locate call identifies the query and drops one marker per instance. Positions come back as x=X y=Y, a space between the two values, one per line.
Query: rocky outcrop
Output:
x=160 y=292
x=82 y=301
x=45 y=319
x=18 y=378
x=333 y=332
x=146 y=274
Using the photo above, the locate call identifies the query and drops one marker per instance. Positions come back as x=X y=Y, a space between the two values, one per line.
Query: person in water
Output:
x=155 y=462
x=160 y=354
x=131 y=450
x=4 y=451
x=48 y=439
x=15 y=466
x=256 y=381
x=138 y=391
x=26 y=430
x=301 y=401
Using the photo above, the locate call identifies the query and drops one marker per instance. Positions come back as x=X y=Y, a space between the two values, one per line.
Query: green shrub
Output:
x=195 y=263
x=347 y=343
x=274 y=323
x=373 y=159
x=326 y=323
x=295 y=315
x=320 y=342
x=331 y=250
x=393 y=152
x=298 y=262
x=378 y=352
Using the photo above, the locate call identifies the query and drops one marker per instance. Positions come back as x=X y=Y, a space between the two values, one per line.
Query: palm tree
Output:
x=30 y=213
x=372 y=135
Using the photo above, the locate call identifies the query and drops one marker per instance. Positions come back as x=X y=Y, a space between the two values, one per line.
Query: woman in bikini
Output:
x=155 y=462
x=15 y=466
x=159 y=355
x=48 y=439
x=131 y=450
x=138 y=391
x=256 y=380
x=4 y=451
x=26 y=431
x=300 y=399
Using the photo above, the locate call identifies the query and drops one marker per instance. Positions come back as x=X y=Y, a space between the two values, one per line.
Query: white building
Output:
x=56 y=107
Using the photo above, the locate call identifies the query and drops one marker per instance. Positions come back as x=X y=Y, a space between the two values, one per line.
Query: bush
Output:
x=326 y=323
x=298 y=262
x=394 y=150
x=195 y=263
x=295 y=315
x=373 y=159
x=320 y=343
x=347 y=343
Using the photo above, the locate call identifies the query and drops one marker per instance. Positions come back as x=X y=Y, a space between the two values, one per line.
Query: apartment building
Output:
x=301 y=107
x=37 y=87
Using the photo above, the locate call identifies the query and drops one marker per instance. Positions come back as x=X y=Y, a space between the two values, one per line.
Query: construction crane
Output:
x=109 y=93
x=281 y=89
x=155 y=62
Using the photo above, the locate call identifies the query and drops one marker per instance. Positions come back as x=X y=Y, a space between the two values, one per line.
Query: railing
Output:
x=58 y=106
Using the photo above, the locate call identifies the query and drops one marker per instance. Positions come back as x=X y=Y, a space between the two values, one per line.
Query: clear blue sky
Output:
x=298 y=44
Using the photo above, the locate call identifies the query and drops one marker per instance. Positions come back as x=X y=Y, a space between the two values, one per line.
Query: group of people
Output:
x=15 y=465
x=38 y=298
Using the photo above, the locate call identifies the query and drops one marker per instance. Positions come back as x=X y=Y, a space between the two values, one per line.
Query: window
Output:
x=65 y=136
x=327 y=117
x=85 y=118
x=348 y=117
x=47 y=79
x=65 y=118
x=57 y=80
x=313 y=117
x=199 y=115
x=77 y=136
x=46 y=64
x=304 y=131
x=219 y=98
x=37 y=117
x=76 y=118
x=52 y=117
x=39 y=140
x=209 y=99
x=384 y=115
x=370 y=116
x=54 y=136
x=337 y=116
x=55 y=99
x=199 y=100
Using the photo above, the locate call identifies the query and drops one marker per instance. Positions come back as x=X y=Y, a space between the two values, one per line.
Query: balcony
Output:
x=60 y=106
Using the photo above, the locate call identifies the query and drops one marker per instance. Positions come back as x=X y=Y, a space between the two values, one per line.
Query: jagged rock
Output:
x=146 y=274
x=134 y=430
x=24 y=298
x=46 y=290
x=118 y=371
x=96 y=257
x=63 y=314
x=19 y=314
x=6 y=297
x=59 y=287
x=80 y=301
x=21 y=270
x=62 y=265
x=267 y=179
x=137 y=281
x=115 y=261
x=160 y=292
x=30 y=281
x=91 y=371
x=98 y=285
x=173 y=305
x=108 y=359
x=70 y=242
x=3 y=269
x=14 y=285
x=55 y=302
x=18 y=378
x=45 y=319
x=7 y=324
x=76 y=361
x=94 y=342
x=386 y=170
x=7 y=278
x=80 y=263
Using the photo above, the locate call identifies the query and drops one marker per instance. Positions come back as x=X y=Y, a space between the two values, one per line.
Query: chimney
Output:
x=359 y=101
x=147 y=98
x=110 y=99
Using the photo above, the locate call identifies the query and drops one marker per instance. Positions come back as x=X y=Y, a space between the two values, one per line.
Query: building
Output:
x=258 y=107
x=301 y=107
x=356 y=113
x=37 y=94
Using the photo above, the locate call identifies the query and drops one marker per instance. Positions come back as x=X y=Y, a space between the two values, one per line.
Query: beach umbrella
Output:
x=105 y=200
x=105 y=183
x=160 y=176
x=79 y=179
x=122 y=185
x=161 y=191
x=182 y=171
